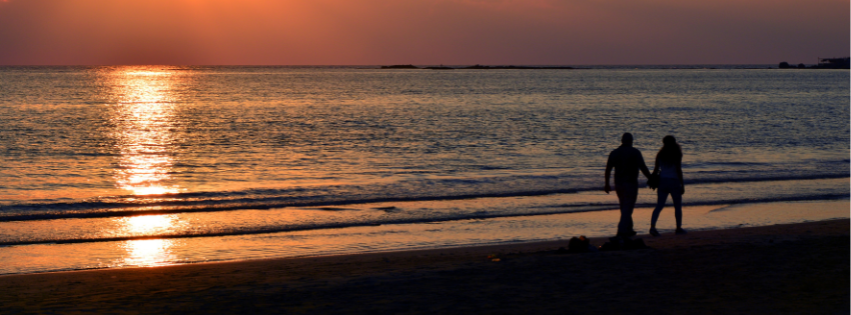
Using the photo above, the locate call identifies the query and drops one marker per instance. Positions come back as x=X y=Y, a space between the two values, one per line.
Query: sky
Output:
x=422 y=32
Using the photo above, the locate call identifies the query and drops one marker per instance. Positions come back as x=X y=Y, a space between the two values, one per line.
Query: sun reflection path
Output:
x=144 y=116
x=142 y=99
x=147 y=253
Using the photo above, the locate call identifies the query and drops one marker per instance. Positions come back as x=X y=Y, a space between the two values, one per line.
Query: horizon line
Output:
x=390 y=64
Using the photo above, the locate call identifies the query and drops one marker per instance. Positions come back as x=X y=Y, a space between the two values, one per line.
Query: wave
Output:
x=326 y=196
x=544 y=210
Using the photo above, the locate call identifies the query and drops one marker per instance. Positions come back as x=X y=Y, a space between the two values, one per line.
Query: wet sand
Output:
x=780 y=269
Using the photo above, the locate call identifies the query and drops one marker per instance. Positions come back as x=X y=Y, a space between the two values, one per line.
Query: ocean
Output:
x=124 y=166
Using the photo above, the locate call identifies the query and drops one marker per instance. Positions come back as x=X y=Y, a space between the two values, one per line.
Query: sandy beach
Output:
x=780 y=269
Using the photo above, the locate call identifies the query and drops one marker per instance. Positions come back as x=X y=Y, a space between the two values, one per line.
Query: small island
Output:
x=823 y=63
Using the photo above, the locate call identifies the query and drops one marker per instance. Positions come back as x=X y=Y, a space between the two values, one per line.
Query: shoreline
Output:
x=786 y=268
x=476 y=249
x=385 y=238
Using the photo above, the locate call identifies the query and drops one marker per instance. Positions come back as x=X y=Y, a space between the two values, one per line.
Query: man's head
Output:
x=626 y=139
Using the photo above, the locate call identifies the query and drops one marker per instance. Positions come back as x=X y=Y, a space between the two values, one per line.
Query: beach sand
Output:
x=782 y=269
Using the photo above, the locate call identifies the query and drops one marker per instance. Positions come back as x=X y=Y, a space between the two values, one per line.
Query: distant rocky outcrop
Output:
x=441 y=67
x=400 y=67
x=514 y=67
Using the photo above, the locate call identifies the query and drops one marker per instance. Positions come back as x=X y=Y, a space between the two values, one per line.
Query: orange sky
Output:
x=379 y=32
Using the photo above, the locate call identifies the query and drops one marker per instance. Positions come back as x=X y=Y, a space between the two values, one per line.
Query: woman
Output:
x=670 y=172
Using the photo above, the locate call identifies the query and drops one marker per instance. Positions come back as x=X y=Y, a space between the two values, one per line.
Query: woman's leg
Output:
x=678 y=207
x=662 y=197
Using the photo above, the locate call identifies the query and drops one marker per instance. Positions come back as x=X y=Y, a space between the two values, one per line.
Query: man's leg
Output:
x=627 y=196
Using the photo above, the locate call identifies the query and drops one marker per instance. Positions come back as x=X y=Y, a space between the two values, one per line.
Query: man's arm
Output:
x=642 y=166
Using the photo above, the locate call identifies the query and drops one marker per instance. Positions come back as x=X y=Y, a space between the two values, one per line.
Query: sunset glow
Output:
x=338 y=32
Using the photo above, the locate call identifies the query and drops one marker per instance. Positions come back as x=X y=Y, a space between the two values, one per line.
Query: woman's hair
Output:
x=670 y=152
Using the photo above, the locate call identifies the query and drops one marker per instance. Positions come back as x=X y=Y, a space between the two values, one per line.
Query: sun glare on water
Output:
x=142 y=102
x=153 y=252
x=148 y=253
x=143 y=114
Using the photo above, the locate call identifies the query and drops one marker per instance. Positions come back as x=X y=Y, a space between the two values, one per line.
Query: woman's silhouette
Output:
x=670 y=172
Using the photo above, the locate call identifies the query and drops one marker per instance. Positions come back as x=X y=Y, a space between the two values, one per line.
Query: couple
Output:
x=627 y=161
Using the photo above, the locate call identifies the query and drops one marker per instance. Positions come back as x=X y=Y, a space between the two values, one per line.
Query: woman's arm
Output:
x=656 y=168
x=680 y=177
x=609 y=167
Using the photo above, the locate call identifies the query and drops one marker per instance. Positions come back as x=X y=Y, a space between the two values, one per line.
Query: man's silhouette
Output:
x=626 y=161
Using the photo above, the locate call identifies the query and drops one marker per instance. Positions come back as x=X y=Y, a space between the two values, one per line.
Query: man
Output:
x=626 y=161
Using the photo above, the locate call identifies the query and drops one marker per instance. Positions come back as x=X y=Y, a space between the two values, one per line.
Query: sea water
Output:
x=151 y=165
